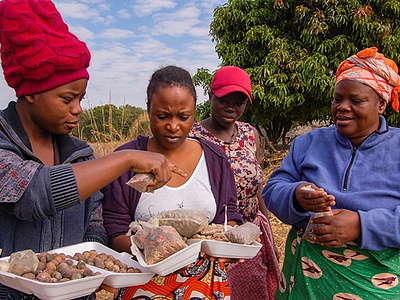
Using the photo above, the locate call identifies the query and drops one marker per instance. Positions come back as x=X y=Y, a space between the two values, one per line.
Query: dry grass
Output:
x=272 y=161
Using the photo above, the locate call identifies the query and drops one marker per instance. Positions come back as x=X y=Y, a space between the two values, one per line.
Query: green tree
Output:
x=203 y=79
x=291 y=49
x=107 y=123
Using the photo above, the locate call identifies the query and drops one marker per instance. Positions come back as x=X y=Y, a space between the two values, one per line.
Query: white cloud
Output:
x=82 y=11
x=209 y=4
x=77 y=10
x=115 y=33
x=125 y=54
x=130 y=69
x=147 y=7
x=92 y=1
x=202 y=47
x=182 y=21
x=153 y=49
x=124 y=13
x=104 y=7
x=82 y=33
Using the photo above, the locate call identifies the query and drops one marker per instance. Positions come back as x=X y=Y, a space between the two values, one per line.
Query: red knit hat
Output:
x=231 y=79
x=38 y=53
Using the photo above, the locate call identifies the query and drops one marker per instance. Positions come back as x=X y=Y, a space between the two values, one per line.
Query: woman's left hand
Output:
x=344 y=226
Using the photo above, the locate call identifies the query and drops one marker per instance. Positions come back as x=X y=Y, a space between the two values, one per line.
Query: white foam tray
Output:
x=52 y=291
x=172 y=263
x=115 y=280
x=227 y=249
x=79 y=287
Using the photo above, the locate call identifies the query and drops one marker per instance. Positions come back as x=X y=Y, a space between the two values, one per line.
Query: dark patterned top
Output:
x=241 y=152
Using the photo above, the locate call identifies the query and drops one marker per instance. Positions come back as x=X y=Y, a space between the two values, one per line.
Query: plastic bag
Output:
x=212 y=232
x=186 y=221
x=22 y=262
x=246 y=233
x=140 y=181
x=160 y=243
x=140 y=238
x=309 y=232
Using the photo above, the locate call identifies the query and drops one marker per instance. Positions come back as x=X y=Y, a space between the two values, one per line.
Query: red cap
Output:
x=38 y=53
x=231 y=79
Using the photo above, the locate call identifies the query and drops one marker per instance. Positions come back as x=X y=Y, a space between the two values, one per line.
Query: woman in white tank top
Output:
x=209 y=186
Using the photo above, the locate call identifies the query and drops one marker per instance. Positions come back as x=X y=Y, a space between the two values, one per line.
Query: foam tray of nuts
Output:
x=52 y=291
x=135 y=274
x=102 y=264
x=227 y=249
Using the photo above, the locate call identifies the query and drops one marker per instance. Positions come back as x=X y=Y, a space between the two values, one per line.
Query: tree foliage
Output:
x=107 y=123
x=203 y=79
x=291 y=49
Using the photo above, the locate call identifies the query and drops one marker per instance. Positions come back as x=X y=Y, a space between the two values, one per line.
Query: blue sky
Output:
x=130 y=39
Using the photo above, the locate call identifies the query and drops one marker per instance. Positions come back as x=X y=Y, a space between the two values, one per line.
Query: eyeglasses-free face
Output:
x=228 y=109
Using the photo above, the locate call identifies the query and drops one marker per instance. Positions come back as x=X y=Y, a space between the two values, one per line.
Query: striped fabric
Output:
x=375 y=70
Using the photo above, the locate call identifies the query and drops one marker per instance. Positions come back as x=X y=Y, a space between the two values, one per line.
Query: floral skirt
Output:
x=202 y=280
x=312 y=271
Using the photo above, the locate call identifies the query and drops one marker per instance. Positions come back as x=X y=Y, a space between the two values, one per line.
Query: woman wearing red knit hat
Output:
x=349 y=172
x=49 y=181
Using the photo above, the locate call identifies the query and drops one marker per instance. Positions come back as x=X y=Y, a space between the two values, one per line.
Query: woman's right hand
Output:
x=94 y=174
x=316 y=200
x=158 y=165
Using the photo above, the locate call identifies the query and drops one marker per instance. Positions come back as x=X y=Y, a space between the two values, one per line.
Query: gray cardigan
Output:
x=40 y=208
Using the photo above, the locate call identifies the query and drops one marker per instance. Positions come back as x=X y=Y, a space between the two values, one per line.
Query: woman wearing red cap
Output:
x=230 y=91
x=49 y=180
x=350 y=170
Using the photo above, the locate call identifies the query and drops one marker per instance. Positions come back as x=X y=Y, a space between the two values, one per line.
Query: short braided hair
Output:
x=170 y=76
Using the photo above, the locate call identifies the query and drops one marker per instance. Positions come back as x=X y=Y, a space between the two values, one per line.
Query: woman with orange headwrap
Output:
x=350 y=170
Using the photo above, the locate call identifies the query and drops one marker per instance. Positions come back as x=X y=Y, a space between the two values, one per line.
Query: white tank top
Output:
x=193 y=194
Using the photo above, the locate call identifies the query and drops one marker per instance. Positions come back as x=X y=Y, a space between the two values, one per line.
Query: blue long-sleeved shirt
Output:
x=365 y=180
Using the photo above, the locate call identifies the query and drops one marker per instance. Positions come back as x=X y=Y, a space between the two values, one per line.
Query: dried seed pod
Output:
x=69 y=262
x=103 y=256
x=66 y=272
x=58 y=259
x=108 y=264
x=41 y=266
x=98 y=262
x=57 y=275
x=49 y=271
x=29 y=275
x=76 y=276
x=44 y=277
x=87 y=272
x=81 y=265
x=42 y=257
x=115 y=268
x=50 y=256
x=51 y=265
x=133 y=270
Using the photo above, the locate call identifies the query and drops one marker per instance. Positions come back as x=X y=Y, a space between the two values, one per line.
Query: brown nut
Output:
x=44 y=277
x=29 y=275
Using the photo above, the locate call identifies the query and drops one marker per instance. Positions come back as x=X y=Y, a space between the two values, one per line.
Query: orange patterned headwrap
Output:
x=375 y=70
